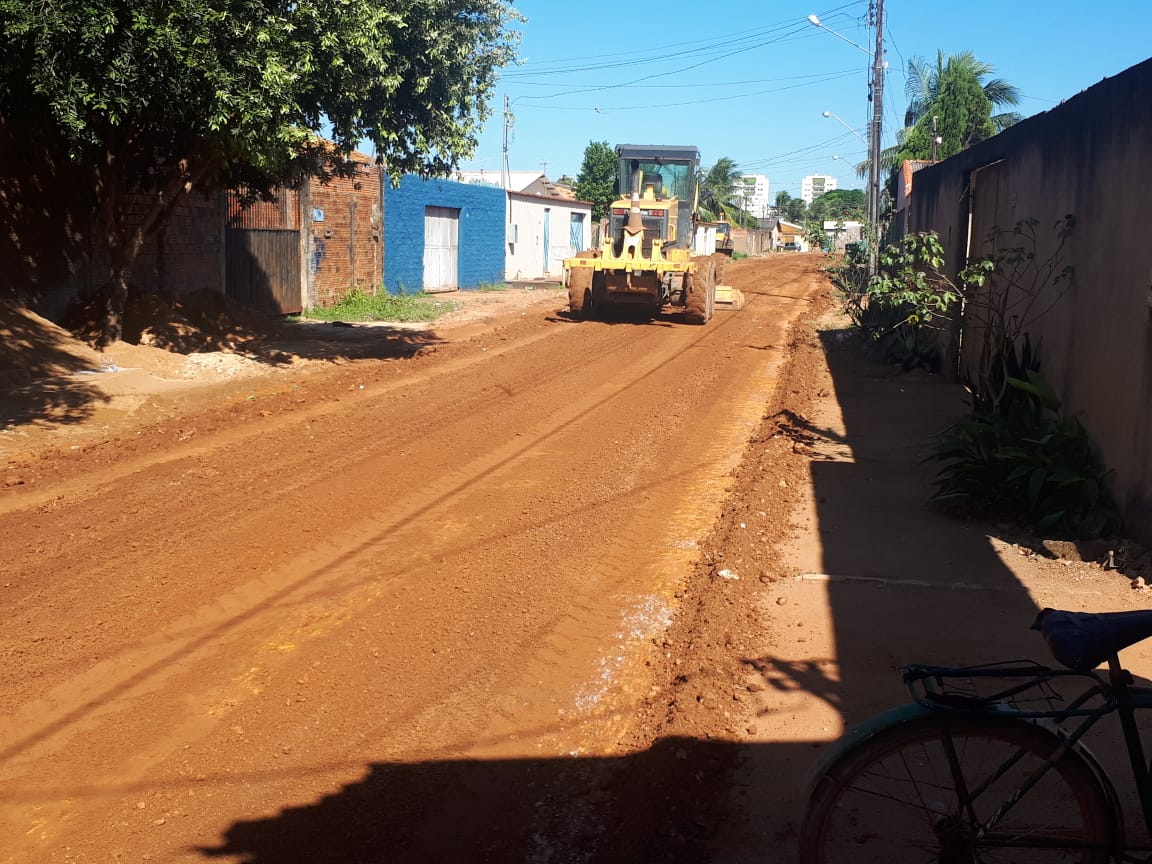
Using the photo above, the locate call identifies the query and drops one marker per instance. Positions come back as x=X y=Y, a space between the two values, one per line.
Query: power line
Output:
x=647 y=106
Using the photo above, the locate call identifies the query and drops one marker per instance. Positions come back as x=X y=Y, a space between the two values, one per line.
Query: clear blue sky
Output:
x=751 y=80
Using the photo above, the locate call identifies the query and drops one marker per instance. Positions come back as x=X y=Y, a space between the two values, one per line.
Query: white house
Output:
x=840 y=233
x=541 y=232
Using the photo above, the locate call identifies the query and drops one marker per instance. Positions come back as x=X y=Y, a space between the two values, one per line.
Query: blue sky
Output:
x=751 y=82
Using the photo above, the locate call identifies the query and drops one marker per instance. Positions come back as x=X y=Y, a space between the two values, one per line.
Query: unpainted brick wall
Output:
x=482 y=214
x=346 y=248
x=186 y=254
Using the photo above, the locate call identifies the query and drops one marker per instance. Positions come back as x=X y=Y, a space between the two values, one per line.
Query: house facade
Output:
x=541 y=232
x=791 y=237
x=440 y=235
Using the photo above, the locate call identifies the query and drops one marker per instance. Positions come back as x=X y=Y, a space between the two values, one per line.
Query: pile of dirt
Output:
x=32 y=348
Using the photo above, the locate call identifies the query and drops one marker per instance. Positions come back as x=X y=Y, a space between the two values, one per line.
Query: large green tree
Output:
x=841 y=205
x=596 y=182
x=168 y=96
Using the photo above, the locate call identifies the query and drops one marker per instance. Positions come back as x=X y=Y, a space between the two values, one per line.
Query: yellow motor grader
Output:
x=646 y=261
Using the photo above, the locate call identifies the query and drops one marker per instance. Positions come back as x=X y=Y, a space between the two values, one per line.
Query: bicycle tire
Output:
x=895 y=798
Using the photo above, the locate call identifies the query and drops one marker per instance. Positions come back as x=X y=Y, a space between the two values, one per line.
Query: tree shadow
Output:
x=38 y=363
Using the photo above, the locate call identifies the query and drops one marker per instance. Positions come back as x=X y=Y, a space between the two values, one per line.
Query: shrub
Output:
x=1029 y=462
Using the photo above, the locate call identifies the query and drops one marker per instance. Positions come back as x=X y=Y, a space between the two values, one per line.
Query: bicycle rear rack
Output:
x=1017 y=688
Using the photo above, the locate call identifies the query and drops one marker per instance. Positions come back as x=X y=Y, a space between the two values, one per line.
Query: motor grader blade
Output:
x=729 y=298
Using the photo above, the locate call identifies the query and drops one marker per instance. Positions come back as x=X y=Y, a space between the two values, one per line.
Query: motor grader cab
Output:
x=646 y=260
x=724 y=243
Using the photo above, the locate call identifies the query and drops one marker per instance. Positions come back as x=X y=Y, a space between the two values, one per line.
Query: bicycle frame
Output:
x=1116 y=694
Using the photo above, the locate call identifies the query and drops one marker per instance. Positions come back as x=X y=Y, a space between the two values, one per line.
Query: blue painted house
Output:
x=440 y=235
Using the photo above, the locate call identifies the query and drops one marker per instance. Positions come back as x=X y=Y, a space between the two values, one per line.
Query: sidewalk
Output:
x=874 y=580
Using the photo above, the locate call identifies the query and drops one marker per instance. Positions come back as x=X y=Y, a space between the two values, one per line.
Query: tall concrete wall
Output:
x=1089 y=157
x=482 y=231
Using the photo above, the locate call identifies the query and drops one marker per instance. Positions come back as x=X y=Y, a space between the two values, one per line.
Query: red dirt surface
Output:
x=514 y=588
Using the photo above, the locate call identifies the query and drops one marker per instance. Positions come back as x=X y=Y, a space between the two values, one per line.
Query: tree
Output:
x=790 y=209
x=842 y=204
x=164 y=97
x=722 y=189
x=924 y=85
x=947 y=91
x=596 y=182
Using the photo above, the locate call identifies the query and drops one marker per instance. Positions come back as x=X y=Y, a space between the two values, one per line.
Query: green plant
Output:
x=906 y=302
x=739 y=256
x=1006 y=293
x=358 y=305
x=492 y=286
x=1030 y=463
x=849 y=273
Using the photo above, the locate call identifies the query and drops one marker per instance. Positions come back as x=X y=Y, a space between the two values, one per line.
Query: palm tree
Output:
x=923 y=87
x=722 y=192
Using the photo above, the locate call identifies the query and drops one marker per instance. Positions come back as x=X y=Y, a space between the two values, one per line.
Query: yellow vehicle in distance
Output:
x=646 y=261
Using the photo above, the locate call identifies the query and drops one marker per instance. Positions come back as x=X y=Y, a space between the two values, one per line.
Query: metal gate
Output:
x=441 y=248
x=263 y=268
x=262 y=253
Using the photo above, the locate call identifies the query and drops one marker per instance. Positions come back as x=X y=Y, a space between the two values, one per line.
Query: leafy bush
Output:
x=908 y=301
x=1030 y=463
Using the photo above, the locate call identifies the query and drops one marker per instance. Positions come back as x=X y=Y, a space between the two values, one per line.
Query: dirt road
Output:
x=397 y=611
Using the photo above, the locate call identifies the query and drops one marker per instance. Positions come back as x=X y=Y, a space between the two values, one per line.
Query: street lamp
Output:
x=818 y=23
x=840 y=120
x=875 y=97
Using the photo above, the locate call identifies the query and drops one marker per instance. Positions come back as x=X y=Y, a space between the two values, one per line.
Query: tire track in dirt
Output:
x=510 y=554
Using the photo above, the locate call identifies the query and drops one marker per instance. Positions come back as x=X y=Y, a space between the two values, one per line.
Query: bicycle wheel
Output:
x=957 y=791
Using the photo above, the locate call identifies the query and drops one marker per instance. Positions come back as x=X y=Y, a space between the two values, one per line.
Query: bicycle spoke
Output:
x=975 y=793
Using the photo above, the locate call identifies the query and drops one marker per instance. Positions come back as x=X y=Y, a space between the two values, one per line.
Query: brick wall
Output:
x=482 y=214
x=51 y=251
x=187 y=253
x=344 y=247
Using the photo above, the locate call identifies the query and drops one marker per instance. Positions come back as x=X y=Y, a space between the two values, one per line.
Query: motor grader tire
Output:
x=721 y=262
x=700 y=292
x=580 y=292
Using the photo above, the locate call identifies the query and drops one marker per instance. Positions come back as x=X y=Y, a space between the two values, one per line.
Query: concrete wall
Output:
x=1088 y=157
x=482 y=231
x=528 y=213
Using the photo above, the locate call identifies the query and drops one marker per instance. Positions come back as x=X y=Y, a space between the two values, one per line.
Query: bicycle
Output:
x=988 y=763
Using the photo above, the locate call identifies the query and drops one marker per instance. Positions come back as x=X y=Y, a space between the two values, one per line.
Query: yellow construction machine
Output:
x=646 y=261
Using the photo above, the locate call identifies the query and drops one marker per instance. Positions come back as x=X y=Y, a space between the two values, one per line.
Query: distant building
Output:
x=757 y=197
x=840 y=233
x=815 y=185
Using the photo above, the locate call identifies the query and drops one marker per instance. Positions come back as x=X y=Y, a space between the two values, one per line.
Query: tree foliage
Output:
x=596 y=182
x=839 y=204
x=790 y=209
x=964 y=101
x=723 y=194
x=168 y=96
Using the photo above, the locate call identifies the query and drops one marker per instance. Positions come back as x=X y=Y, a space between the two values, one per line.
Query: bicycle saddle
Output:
x=1083 y=640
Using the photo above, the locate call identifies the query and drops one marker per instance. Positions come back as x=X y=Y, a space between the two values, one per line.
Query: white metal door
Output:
x=441 y=248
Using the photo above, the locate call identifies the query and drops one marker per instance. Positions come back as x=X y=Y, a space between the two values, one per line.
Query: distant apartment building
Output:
x=757 y=199
x=815 y=185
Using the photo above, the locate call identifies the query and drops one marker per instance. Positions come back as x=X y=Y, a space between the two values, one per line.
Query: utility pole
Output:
x=505 y=174
x=935 y=139
x=874 y=143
